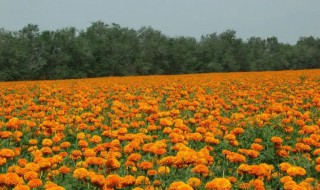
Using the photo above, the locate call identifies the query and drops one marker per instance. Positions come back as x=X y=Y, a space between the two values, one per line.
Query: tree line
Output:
x=112 y=50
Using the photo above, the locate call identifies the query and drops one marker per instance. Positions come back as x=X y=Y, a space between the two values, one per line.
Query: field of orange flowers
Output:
x=201 y=131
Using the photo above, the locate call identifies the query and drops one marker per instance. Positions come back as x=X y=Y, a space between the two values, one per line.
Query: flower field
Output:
x=257 y=130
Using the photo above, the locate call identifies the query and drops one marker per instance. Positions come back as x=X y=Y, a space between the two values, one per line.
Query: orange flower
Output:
x=3 y=161
x=142 y=180
x=296 y=171
x=113 y=181
x=80 y=173
x=30 y=175
x=258 y=184
x=128 y=180
x=12 y=179
x=256 y=147
x=56 y=188
x=134 y=157
x=47 y=142
x=99 y=180
x=7 y=153
x=285 y=179
x=5 y=134
x=76 y=154
x=234 y=157
x=95 y=139
x=162 y=170
x=151 y=172
x=277 y=140
x=34 y=183
x=219 y=184
x=22 y=162
x=83 y=143
x=201 y=169
x=230 y=137
x=64 y=169
x=179 y=185
x=65 y=145
x=194 y=182
x=89 y=153
x=33 y=141
x=32 y=167
x=21 y=187
x=81 y=136
x=145 y=165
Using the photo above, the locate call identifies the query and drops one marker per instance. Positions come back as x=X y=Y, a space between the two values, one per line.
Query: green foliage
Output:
x=112 y=50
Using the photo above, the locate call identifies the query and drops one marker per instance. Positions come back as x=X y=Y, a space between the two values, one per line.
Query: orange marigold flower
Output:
x=76 y=154
x=201 y=169
x=236 y=158
x=258 y=184
x=142 y=180
x=113 y=180
x=277 y=140
x=33 y=141
x=165 y=122
x=282 y=153
x=179 y=185
x=12 y=179
x=157 y=183
x=237 y=131
x=34 y=183
x=81 y=136
x=211 y=140
x=285 y=179
x=134 y=157
x=5 y=134
x=21 y=187
x=145 y=165
x=46 y=150
x=245 y=186
x=89 y=153
x=80 y=173
x=219 y=184
x=296 y=171
x=3 y=161
x=32 y=167
x=256 y=146
x=99 y=180
x=83 y=143
x=95 y=139
x=194 y=182
x=30 y=175
x=232 y=179
x=151 y=172
x=7 y=153
x=22 y=162
x=65 y=145
x=47 y=142
x=163 y=170
x=230 y=137
x=128 y=180
x=284 y=166
x=113 y=163
x=56 y=188
x=64 y=170
x=289 y=185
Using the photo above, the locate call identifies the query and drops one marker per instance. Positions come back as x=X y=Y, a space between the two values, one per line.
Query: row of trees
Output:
x=112 y=50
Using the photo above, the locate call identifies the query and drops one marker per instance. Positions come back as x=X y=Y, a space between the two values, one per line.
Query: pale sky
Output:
x=285 y=19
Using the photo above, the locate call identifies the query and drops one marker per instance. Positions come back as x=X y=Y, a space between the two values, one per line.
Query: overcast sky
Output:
x=285 y=19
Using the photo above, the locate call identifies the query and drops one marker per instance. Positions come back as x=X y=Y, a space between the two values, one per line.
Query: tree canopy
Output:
x=112 y=50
